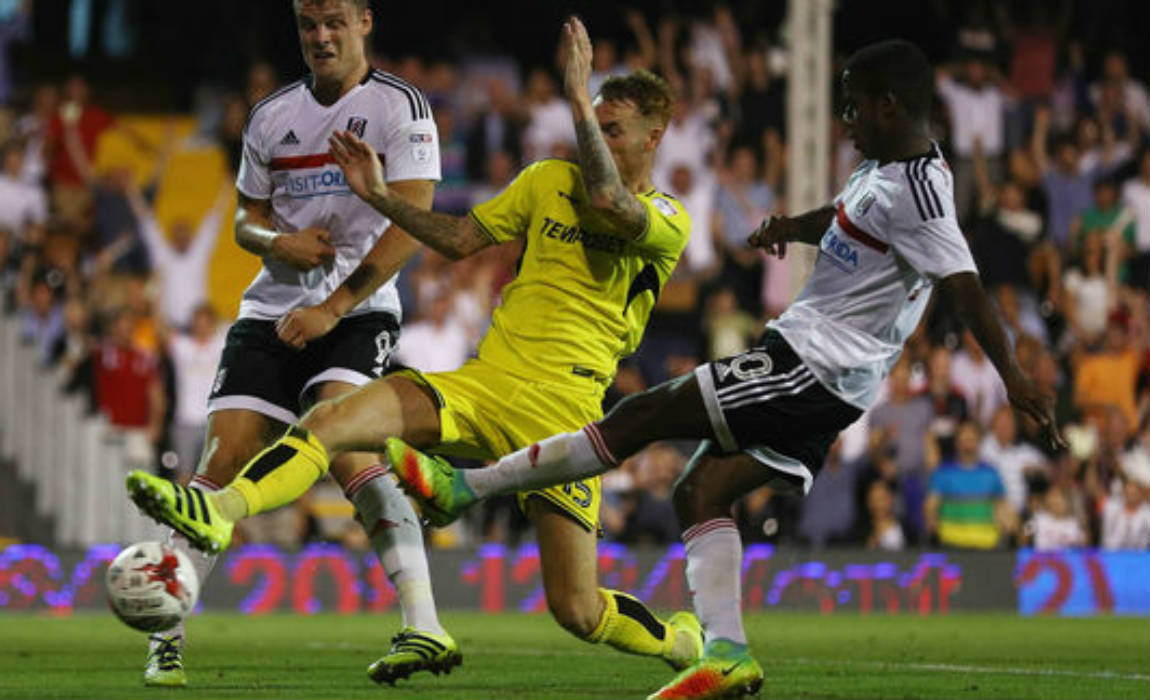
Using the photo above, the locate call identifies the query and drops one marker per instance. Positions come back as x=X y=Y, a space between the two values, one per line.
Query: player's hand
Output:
x=1025 y=396
x=360 y=164
x=298 y=327
x=773 y=234
x=575 y=55
x=304 y=249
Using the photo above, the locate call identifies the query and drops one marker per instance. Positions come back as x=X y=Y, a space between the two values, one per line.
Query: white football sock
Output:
x=397 y=539
x=558 y=459
x=714 y=577
x=202 y=562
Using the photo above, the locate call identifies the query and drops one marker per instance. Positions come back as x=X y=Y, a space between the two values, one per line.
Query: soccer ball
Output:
x=151 y=586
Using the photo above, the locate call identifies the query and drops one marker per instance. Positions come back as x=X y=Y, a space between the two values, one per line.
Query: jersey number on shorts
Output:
x=583 y=501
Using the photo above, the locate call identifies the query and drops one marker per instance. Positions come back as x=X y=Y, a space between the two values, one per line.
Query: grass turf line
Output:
x=528 y=656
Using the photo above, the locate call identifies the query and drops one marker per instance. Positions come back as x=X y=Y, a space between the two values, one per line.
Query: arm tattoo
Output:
x=361 y=278
x=601 y=177
x=452 y=236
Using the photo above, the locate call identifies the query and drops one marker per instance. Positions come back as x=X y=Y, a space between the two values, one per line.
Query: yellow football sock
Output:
x=629 y=626
x=283 y=472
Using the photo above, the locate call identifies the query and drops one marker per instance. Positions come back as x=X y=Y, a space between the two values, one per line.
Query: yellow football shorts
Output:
x=486 y=412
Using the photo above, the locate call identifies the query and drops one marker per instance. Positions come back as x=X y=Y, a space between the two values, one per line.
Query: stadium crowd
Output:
x=1047 y=139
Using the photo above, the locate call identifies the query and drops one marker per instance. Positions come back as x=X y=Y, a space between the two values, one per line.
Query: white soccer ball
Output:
x=151 y=586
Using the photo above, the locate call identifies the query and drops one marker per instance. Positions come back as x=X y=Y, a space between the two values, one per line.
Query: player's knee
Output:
x=579 y=615
x=322 y=415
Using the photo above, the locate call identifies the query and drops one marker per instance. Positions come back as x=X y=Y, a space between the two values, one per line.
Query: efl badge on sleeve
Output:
x=357 y=126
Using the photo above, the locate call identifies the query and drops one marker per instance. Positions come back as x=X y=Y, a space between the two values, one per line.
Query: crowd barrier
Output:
x=258 y=579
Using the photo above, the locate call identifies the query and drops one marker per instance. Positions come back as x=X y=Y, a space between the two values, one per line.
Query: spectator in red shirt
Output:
x=73 y=133
x=129 y=391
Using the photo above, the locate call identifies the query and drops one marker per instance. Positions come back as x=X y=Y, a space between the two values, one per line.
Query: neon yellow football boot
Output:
x=413 y=651
x=688 y=644
x=185 y=509
x=165 y=665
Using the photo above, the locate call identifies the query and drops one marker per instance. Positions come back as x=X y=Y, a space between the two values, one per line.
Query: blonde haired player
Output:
x=322 y=315
x=600 y=244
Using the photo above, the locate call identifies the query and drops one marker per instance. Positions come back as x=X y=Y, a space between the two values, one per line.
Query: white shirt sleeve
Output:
x=253 y=180
x=411 y=151
x=924 y=231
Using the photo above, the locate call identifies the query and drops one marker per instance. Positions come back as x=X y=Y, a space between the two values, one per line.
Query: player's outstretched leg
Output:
x=397 y=539
x=703 y=499
x=232 y=437
x=185 y=509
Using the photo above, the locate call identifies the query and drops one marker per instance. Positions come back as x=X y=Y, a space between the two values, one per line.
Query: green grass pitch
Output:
x=528 y=656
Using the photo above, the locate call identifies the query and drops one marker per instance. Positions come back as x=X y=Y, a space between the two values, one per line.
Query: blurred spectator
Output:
x=976 y=106
x=976 y=379
x=695 y=190
x=828 y=512
x=1022 y=321
x=23 y=207
x=74 y=346
x=1054 y=525
x=13 y=28
x=1006 y=234
x=180 y=261
x=885 y=531
x=43 y=322
x=32 y=130
x=1108 y=377
x=651 y=518
x=949 y=408
x=435 y=343
x=1068 y=188
x=73 y=133
x=1126 y=518
x=743 y=200
x=1091 y=292
x=129 y=391
x=115 y=29
x=550 y=131
x=688 y=143
x=497 y=172
x=902 y=422
x=194 y=356
x=452 y=194
x=1033 y=30
x=605 y=55
x=498 y=127
x=1135 y=98
x=1105 y=213
x=730 y=330
x=1012 y=459
x=1136 y=197
x=966 y=506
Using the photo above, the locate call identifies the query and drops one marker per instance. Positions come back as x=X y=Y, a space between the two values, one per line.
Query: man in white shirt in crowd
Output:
x=194 y=356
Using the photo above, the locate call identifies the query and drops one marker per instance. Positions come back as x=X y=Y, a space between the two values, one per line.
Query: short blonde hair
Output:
x=650 y=94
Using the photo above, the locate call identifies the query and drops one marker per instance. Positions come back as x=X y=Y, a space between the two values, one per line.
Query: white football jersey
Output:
x=286 y=159
x=894 y=234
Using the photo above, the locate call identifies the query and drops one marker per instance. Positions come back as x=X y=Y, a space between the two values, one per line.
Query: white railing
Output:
x=76 y=462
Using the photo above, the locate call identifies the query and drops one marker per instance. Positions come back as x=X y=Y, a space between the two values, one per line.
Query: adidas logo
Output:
x=289 y=139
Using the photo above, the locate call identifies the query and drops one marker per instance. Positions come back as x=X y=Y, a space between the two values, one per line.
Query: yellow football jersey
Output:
x=582 y=294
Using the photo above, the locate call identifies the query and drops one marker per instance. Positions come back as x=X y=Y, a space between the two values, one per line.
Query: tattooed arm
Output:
x=390 y=253
x=608 y=195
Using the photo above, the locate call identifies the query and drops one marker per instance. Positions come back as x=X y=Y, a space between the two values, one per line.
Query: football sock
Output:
x=202 y=562
x=275 y=477
x=556 y=460
x=714 y=577
x=629 y=626
x=397 y=539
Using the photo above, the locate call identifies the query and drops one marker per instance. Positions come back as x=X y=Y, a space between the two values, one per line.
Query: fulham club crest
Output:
x=357 y=125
